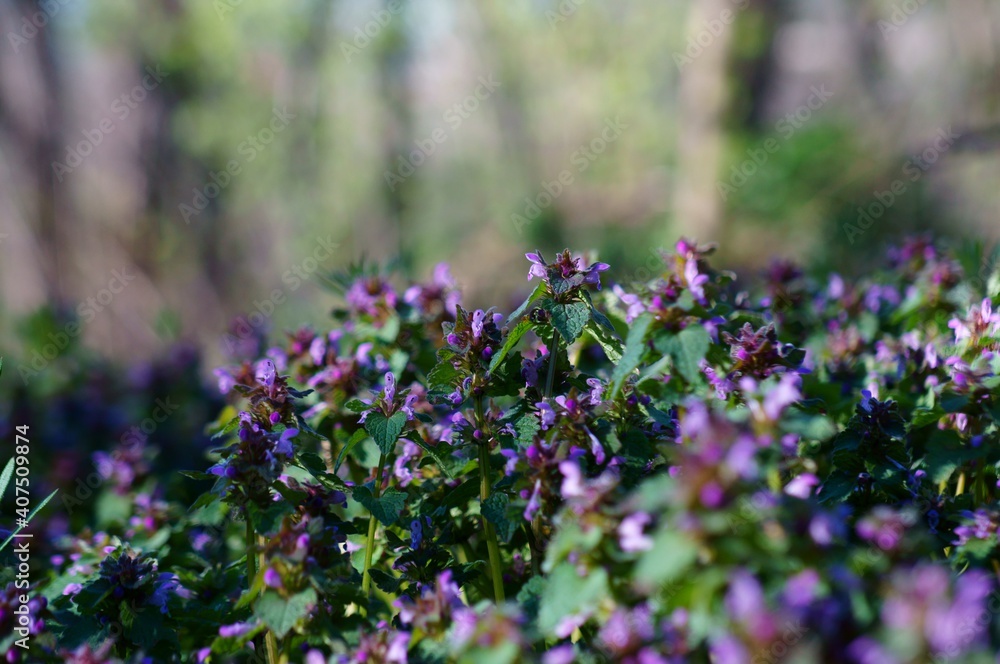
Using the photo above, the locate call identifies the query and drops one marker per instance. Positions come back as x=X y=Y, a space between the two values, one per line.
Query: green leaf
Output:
x=433 y=452
x=8 y=471
x=38 y=508
x=569 y=319
x=635 y=348
x=358 y=436
x=672 y=554
x=535 y=294
x=597 y=316
x=386 y=508
x=356 y=405
x=385 y=430
x=607 y=340
x=686 y=348
x=527 y=426
x=280 y=614
x=385 y=581
x=567 y=593
x=945 y=453
x=268 y=521
x=228 y=428
x=191 y=474
x=494 y=509
x=513 y=336
x=837 y=487
x=444 y=375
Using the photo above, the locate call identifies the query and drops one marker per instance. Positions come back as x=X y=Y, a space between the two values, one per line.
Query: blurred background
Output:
x=169 y=165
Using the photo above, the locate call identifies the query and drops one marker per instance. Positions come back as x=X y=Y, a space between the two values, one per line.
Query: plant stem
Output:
x=960 y=489
x=496 y=571
x=251 y=540
x=366 y=578
x=270 y=640
x=254 y=563
x=553 y=358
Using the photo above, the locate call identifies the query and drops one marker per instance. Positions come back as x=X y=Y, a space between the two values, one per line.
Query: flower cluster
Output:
x=684 y=469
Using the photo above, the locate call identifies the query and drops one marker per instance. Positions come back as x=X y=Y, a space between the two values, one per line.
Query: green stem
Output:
x=255 y=561
x=270 y=640
x=251 y=540
x=496 y=570
x=553 y=359
x=366 y=578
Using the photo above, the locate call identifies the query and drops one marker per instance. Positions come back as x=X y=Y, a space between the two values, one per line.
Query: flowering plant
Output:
x=686 y=469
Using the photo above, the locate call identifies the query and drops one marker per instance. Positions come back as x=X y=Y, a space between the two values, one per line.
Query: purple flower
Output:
x=784 y=394
x=563 y=654
x=802 y=486
x=534 y=503
x=546 y=414
x=630 y=533
x=566 y=267
x=441 y=294
x=235 y=630
x=633 y=303
x=271 y=578
x=227 y=381
x=266 y=373
x=596 y=391
x=537 y=268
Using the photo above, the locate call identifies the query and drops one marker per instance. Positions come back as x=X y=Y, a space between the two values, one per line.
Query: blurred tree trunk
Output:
x=38 y=142
x=697 y=208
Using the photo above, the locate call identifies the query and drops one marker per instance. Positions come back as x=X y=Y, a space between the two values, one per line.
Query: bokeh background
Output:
x=215 y=149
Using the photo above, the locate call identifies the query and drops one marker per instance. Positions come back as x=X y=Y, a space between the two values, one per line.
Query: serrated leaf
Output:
x=527 y=426
x=569 y=319
x=609 y=343
x=281 y=614
x=386 y=508
x=385 y=581
x=356 y=405
x=312 y=462
x=686 y=348
x=228 y=428
x=385 y=430
x=433 y=452
x=535 y=294
x=635 y=348
x=494 y=509
x=444 y=375
x=513 y=336
x=358 y=436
